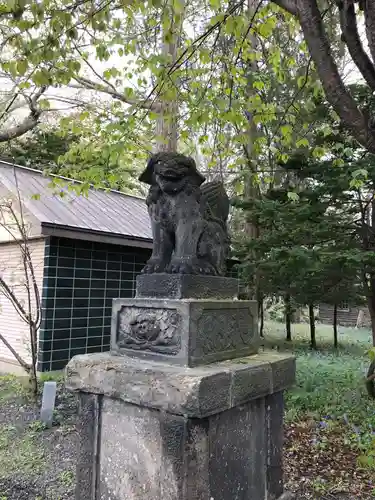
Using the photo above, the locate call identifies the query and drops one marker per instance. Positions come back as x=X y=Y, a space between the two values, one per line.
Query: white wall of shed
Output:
x=11 y=325
x=8 y=225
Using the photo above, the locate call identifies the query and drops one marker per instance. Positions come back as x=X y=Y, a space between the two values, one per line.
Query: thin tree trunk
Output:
x=23 y=363
x=261 y=316
x=251 y=186
x=312 y=326
x=33 y=380
x=371 y=307
x=335 y=337
x=288 y=317
x=167 y=122
x=371 y=286
x=34 y=356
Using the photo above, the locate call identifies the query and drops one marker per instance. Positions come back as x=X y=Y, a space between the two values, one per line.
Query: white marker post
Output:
x=48 y=403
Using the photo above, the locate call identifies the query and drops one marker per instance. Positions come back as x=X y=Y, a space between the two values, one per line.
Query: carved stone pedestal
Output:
x=151 y=431
x=186 y=332
x=183 y=408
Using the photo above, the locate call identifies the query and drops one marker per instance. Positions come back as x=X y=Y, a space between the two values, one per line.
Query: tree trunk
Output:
x=335 y=337
x=33 y=381
x=312 y=326
x=167 y=122
x=34 y=359
x=261 y=316
x=371 y=307
x=315 y=35
x=251 y=186
x=288 y=317
x=368 y=244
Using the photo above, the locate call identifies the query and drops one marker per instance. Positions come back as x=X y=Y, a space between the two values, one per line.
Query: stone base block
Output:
x=150 y=431
x=186 y=286
x=186 y=332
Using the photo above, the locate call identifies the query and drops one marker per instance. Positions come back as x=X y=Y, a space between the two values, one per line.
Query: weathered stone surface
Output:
x=238 y=453
x=155 y=431
x=274 y=427
x=146 y=454
x=250 y=384
x=186 y=286
x=130 y=455
x=89 y=446
x=194 y=392
x=149 y=455
x=283 y=373
x=186 y=332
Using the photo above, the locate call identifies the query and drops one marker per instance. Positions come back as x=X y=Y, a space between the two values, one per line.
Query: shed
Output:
x=86 y=252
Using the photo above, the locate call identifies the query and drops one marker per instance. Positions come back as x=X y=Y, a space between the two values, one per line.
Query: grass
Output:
x=330 y=420
x=330 y=383
x=67 y=477
x=20 y=452
x=330 y=388
x=13 y=387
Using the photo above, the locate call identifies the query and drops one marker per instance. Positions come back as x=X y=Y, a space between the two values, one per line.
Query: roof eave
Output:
x=79 y=233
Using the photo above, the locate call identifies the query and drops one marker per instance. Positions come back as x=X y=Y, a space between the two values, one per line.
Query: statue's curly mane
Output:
x=174 y=162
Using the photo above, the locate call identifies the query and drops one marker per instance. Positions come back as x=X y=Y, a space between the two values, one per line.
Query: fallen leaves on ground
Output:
x=319 y=464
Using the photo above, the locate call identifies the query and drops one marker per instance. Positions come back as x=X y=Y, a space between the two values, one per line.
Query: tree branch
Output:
x=288 y=5
x=85 y=83
x=336 y=93
x=30 y=122
x=369 y=10
x=27 y=260
x=352 y=39
x=23 y=363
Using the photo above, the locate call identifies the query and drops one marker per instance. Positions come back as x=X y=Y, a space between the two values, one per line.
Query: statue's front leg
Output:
x=185 y=259
x=161 y=251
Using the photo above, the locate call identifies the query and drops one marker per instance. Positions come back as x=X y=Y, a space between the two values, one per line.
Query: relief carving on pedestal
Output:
x=224 y=329
x=152 y=329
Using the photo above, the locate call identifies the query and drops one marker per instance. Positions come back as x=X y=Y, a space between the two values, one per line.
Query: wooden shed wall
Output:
x=345 y=317
x=11 y=268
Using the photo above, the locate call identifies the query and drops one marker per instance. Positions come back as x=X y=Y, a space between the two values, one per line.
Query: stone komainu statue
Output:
x=189 y=221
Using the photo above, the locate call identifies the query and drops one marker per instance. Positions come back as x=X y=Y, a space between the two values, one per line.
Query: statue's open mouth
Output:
x=171 y=175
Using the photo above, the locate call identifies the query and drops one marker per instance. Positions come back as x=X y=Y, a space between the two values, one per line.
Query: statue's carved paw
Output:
x=191 y=266
x=154 y=266
x=208 y=269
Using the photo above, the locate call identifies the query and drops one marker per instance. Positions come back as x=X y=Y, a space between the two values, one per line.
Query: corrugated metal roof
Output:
x=109 y=212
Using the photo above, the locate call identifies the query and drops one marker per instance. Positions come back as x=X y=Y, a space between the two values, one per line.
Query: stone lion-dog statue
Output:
x=189 y=221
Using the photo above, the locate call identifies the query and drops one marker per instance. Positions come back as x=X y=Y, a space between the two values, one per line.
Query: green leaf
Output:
x=301 y=81
x=84 y=115
x=258 y=85
x=22 y=66
x=293 y=196
x=178 y=6
x=44 y=104
x=215 y=4
x=302 y=143
x=361 y=172
x=338 y=162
